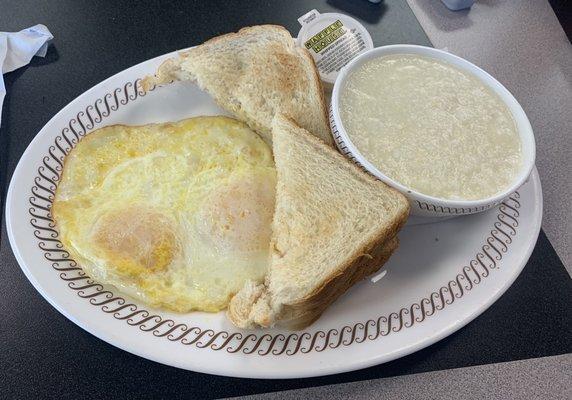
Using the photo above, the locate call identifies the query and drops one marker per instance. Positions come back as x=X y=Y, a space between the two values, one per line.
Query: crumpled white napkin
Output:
x=18 y=48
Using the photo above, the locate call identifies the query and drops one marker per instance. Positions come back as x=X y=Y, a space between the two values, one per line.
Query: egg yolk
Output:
x=238 y=216
x=135 y=240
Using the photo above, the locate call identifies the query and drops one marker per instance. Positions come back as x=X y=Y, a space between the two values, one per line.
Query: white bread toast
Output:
x=333 y=225
x=252 y=74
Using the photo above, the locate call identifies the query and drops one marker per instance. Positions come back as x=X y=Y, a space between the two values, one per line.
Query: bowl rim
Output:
x=524 y=128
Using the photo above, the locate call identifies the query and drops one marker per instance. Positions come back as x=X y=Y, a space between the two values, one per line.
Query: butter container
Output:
x=333 y=40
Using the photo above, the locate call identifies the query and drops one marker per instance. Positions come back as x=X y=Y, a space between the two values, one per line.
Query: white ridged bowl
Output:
x=421 y=204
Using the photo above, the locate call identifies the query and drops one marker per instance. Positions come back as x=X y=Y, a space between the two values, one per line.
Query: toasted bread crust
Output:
x=303 y=313
x=279 y=42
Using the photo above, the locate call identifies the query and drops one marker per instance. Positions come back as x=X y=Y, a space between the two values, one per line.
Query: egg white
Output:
x=177 y=215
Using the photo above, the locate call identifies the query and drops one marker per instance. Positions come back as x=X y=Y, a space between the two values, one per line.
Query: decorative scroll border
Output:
x=452 y=210
x=43 y=191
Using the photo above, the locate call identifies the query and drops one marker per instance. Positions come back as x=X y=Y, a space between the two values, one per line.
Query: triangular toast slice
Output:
x=252 y=74
x=333 y=225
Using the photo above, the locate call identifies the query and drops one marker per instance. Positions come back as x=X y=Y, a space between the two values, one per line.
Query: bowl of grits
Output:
x=434 y=126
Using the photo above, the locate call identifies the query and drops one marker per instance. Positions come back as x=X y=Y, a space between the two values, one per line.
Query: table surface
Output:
x=94 y=41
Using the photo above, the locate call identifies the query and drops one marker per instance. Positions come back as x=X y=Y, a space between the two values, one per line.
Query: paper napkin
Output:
x=18 y=48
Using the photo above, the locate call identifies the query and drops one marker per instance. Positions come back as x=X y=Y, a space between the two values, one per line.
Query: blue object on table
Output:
x=457 y=5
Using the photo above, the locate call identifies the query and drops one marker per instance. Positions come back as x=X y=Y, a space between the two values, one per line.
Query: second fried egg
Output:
x=177 y=215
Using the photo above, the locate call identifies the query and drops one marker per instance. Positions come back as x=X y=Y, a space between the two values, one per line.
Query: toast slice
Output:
x=333 y=225
x=252 y=74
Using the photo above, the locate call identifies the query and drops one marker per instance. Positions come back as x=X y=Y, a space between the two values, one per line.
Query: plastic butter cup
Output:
x=423 y=205
x=333 y=40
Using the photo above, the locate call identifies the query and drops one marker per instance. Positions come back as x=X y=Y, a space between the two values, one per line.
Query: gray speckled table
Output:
x=539 y=378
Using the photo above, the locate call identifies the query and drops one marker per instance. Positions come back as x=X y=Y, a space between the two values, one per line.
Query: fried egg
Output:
x=177 y=215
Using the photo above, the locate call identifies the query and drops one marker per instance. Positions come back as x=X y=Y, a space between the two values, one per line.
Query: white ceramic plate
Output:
x=443 y=275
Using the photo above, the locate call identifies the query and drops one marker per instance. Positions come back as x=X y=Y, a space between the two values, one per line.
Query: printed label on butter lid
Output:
x=333 y=40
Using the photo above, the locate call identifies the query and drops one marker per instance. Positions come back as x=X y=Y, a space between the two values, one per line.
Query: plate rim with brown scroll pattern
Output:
x=91 y=110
